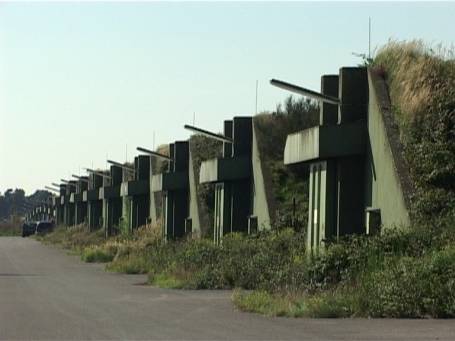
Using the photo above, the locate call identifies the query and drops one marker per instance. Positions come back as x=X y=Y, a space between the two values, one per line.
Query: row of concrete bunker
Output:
x=358 y=182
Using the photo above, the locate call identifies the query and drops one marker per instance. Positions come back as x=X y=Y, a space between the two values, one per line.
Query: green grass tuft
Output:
x=97 y=254
x=166 y=281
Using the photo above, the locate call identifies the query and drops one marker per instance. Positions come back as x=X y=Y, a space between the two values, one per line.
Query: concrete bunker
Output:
x=92 y=198
x=58 y=202
x=337 y=154
x=135 y=193
x=68 y=205
x=233 y=176
x=80 y=207
x=178 y=219
x=112 y=201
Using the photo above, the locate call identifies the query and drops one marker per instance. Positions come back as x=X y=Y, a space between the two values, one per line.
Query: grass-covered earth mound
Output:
x=421 y=83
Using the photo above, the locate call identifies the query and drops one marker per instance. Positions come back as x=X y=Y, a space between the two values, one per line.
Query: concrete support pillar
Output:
x=140 y=210
x=68 y=214
x=223 y=209
x=241 y=205
x=114 y=213
x=126 y=214
x=176 y=212
x=94 y=212
x=60 y=215
x=336 y=200
x=351 y=195
x=322 y=215
x=80 y=213
x=71 y=209
x=168 y=215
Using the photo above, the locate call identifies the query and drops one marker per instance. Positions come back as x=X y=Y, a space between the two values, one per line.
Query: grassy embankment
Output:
x=401 y=273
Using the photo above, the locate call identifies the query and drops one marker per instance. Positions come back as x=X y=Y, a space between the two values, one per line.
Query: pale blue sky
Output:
x=79 y=81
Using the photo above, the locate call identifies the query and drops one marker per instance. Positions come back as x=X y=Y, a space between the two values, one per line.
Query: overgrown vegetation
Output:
x=75 y=238
x=10 y=227
x=421 y=82
x=402 y=273
x=399 y=274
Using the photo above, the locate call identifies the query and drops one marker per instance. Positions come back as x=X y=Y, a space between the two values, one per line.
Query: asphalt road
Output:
x=47 y=294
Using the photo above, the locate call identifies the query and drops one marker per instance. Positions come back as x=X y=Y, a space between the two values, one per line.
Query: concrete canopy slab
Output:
x=169 y=181
x=135 y=187
x=324 y=142
x=93 y=194
x=109 y=192
x=225 y=169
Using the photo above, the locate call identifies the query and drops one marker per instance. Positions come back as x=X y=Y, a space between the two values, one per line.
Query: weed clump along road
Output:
x=401 y=273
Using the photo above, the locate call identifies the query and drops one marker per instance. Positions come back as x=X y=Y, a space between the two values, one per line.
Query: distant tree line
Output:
x=16 y=203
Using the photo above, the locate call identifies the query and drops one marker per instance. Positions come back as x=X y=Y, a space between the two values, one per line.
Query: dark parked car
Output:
x=44 y=227
x=28 y=229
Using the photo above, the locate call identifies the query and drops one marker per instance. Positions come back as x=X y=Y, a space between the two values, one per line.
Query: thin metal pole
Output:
x=257 y=96
x=208 y=133
x=369 y=37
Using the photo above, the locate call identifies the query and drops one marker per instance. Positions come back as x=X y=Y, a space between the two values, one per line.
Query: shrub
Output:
x=412 y=287
x=10 y=228
x=131 y=263
x=262 y=302
x=96 y=254
x=330 y=304
x=164 y=280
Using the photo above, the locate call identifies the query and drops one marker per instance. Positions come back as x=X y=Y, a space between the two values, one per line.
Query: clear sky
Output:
x=80 y=81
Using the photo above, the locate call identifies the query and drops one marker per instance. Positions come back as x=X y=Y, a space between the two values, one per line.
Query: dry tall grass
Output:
x=421 y=81
x=418 y=75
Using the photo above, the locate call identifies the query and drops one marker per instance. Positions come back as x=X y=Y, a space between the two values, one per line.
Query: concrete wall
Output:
x=125 y=225
x=385 y=171
x=260 y=204
x=153 y=208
